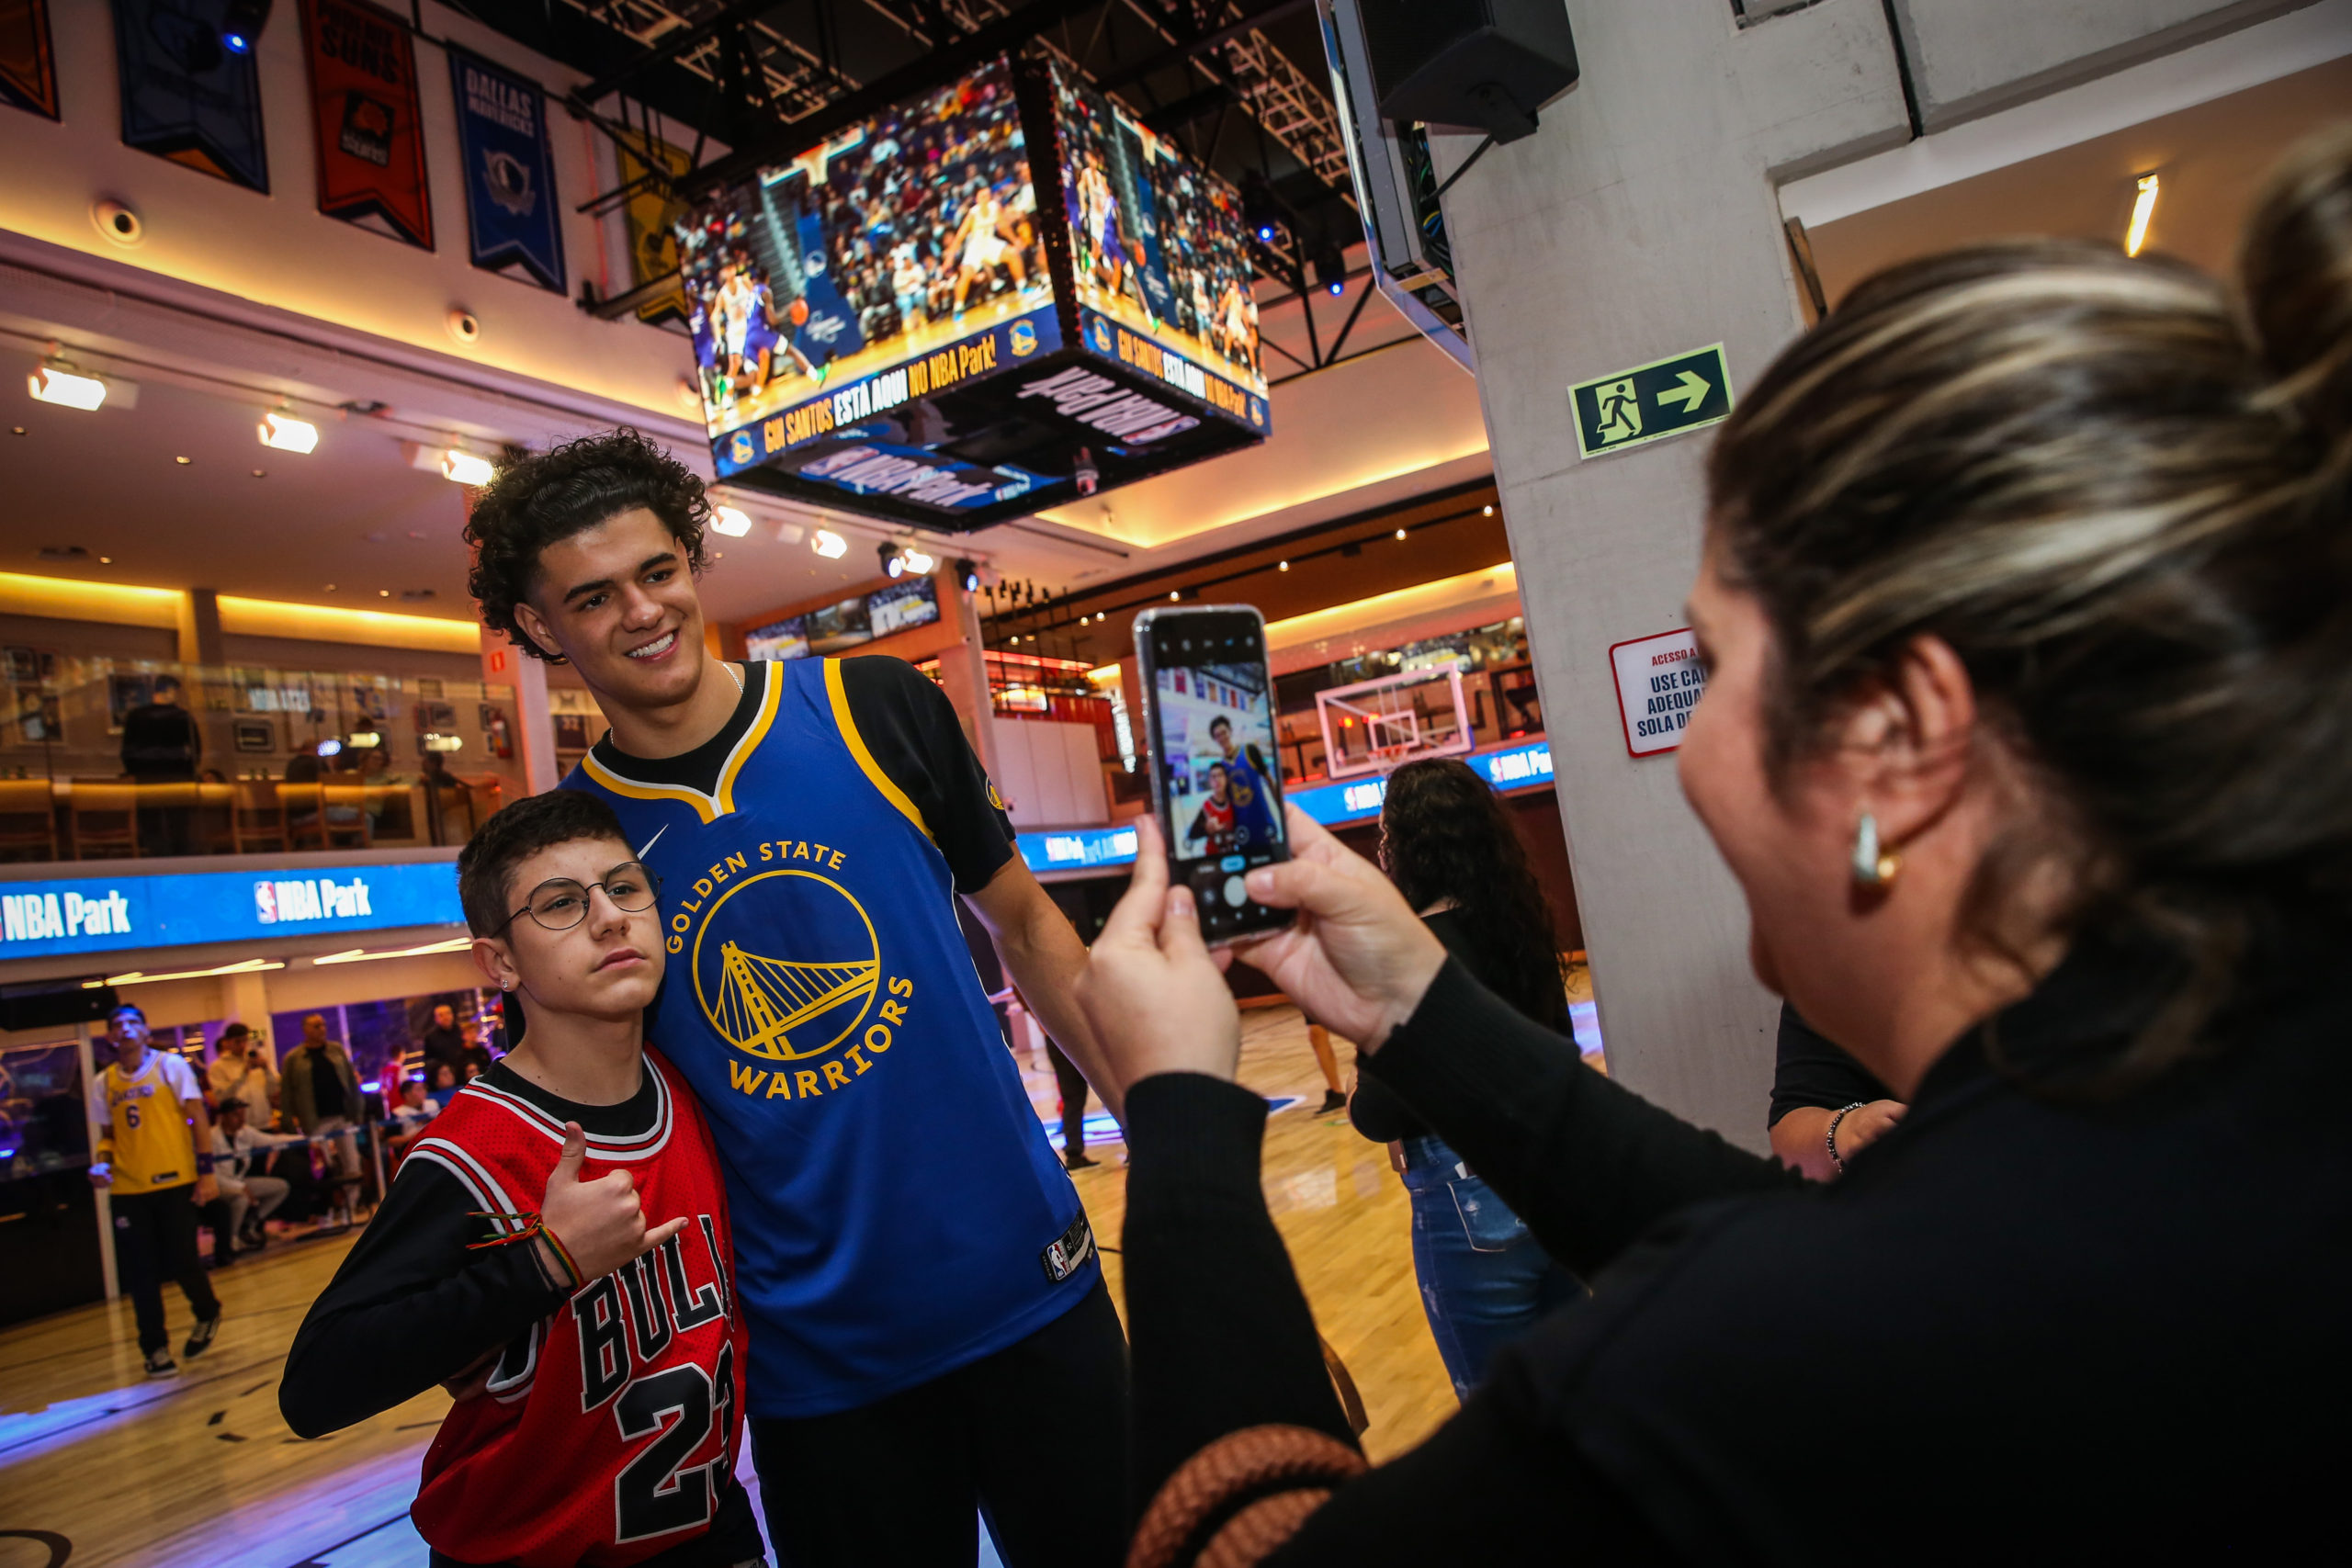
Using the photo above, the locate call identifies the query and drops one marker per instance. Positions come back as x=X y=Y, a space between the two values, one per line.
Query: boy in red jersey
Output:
x=601 y=1359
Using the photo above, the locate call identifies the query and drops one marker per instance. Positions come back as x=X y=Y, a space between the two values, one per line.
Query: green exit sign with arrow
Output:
x=1649 y=402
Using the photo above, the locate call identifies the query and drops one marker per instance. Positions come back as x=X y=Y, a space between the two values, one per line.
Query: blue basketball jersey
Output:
x=898 y=1212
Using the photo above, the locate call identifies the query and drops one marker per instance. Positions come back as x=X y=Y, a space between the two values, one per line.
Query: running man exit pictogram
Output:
x=1633 y=408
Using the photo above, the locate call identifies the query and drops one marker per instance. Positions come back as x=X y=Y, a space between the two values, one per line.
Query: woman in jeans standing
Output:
x=1447 y=845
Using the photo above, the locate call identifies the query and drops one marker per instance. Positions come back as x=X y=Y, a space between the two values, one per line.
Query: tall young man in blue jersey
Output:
x=930 y=1331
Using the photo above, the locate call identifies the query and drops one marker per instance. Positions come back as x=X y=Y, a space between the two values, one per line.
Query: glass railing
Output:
x=106 y=758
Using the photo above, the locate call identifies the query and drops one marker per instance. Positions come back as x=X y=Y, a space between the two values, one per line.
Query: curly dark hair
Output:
x=544 y=497
x=1445 y=835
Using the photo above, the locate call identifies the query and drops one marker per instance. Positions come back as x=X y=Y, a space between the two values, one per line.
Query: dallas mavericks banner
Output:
x=510 y=174
x=184 y=96
x=28 y=69
x=363 y=110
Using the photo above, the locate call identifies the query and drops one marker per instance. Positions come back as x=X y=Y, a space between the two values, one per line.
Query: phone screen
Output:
x=1218 y=785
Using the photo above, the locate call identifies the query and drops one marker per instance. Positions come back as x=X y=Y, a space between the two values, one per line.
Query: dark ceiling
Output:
x=1240 y=83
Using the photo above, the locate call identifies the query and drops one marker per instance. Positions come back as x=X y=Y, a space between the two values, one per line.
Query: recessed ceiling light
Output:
x=183 y=462
x=383 y=593
x=1489 y=512
x=328 y=589
x=16 y=430
x=1400 y=533
x=261 y=473
x=1173 y=595
x=105 y=560
x=1282 y=566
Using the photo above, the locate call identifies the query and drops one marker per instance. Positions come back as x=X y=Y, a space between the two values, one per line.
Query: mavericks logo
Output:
x=787 y=969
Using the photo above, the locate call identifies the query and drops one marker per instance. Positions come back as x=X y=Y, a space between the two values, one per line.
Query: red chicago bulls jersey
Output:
x=609 y=1432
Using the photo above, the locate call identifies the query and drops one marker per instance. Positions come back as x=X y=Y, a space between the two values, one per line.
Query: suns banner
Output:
x=364 y=111
x=510 y=174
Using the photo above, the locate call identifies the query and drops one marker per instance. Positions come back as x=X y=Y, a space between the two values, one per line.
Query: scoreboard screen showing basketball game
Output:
x=1157 y=247
x=997 y=297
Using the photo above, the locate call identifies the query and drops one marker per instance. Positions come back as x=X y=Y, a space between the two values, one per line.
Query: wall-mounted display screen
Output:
x=784 y=639
x=925 y=317
x=845 y=626
x=914 y=603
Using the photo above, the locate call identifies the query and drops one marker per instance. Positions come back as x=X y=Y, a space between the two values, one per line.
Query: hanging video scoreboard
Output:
x=1000 y=296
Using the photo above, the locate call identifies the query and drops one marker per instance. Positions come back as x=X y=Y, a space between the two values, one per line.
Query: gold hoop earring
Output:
x=1873 y=867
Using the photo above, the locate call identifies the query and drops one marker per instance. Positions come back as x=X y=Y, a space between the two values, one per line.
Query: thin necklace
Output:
x=733 y=675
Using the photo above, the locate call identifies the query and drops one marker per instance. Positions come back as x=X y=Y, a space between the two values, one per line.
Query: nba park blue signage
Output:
x=1343 y=804
x=118 y=914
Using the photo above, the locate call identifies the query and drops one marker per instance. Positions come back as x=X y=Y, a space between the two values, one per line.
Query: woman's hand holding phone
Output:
x=1153 y=990
x=1360 y=961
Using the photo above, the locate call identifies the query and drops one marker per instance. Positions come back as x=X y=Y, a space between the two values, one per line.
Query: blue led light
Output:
x=236 y=43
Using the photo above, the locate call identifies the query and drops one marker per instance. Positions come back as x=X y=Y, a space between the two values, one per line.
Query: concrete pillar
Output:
x=963 y=672
x=200 y=641
x=1640 y=221
x=533 y=724
x=213 y=703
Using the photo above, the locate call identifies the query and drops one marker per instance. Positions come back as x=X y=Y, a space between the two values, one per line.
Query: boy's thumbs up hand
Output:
x=600 y=1222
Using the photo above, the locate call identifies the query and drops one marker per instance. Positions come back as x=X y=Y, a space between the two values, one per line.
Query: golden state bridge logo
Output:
x=787 y=969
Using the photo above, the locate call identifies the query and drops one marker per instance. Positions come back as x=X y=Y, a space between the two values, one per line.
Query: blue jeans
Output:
x=1484 y=1280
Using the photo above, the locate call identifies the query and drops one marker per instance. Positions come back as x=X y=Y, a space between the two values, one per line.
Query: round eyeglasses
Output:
x=559 y=902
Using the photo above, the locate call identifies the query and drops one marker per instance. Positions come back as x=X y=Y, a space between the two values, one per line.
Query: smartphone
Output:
x=1217 y=773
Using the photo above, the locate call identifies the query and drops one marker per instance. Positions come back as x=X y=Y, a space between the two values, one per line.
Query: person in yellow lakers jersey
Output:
x=151 y=1120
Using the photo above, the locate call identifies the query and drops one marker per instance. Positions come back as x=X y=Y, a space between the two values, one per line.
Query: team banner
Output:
x=510 y=174
x=28 y=68
x=184 y=96
x=364 y=110
x=651 y=217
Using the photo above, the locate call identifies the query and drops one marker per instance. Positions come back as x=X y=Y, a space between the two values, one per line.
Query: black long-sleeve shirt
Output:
x=412 y=1282
x=2082 y=1327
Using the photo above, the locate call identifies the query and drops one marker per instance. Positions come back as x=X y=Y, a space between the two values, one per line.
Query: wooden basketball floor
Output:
x=200 y=1469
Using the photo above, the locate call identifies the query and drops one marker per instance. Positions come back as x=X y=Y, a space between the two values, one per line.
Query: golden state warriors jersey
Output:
x=898 y=1212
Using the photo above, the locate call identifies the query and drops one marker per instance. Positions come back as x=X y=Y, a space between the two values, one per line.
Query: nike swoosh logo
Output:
x=646 y=847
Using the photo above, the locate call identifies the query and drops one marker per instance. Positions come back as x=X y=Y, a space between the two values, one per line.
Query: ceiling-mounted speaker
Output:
x=1476 y=64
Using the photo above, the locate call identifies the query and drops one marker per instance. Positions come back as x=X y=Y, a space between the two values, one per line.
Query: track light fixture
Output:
x=968 y=572
x=283 y=433
x=58 y=383
x=467 y=469
x=893 y=561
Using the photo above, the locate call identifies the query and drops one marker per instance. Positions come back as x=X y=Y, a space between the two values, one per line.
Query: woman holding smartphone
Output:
x=1447 y=844
x=2027 y=593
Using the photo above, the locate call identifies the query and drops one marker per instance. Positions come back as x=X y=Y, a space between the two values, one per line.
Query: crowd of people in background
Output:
x=265 y=1140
